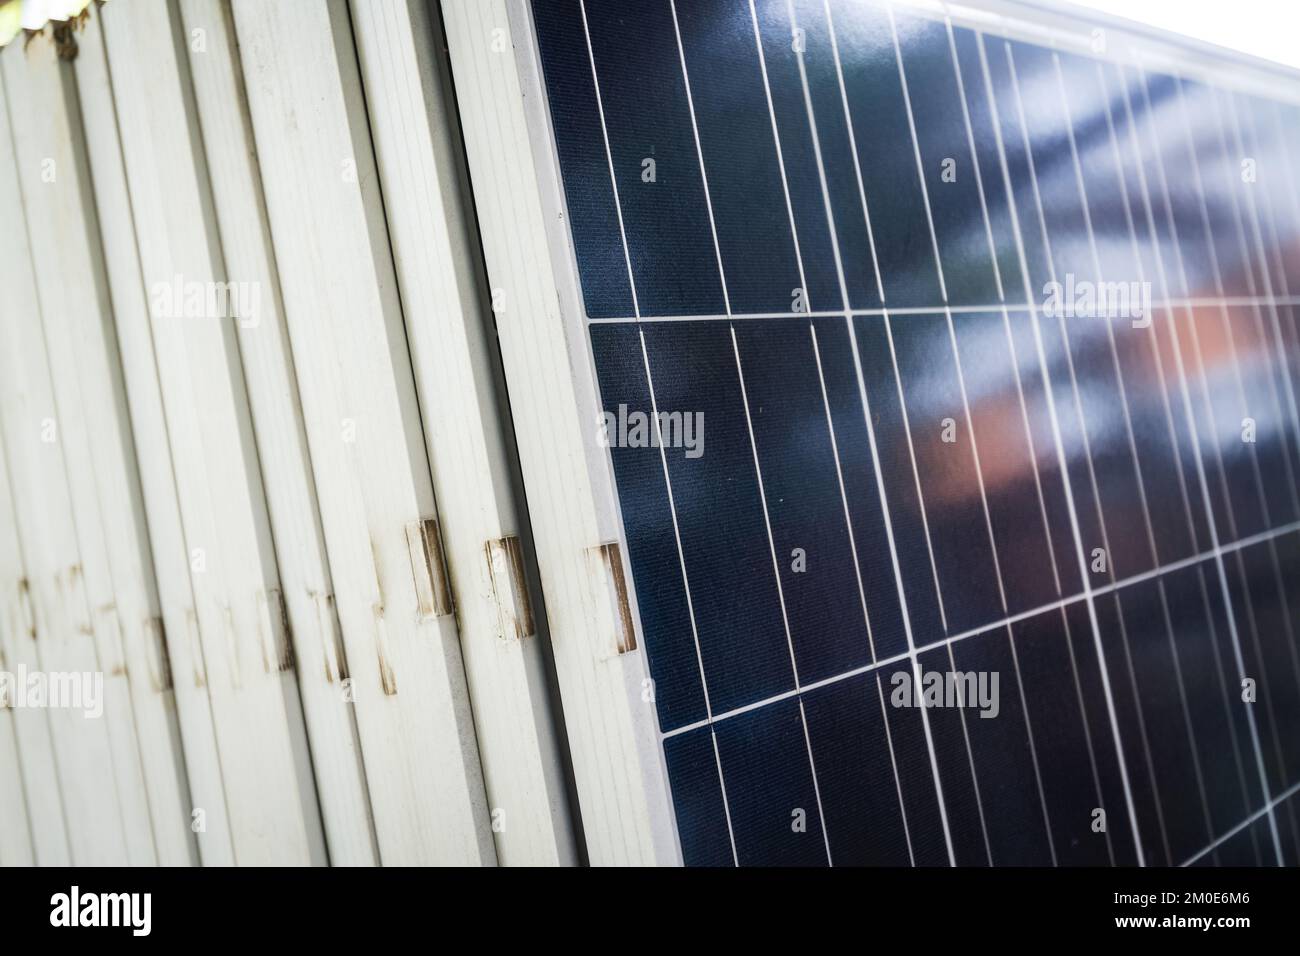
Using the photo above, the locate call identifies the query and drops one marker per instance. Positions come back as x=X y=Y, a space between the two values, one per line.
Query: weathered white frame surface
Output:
x=435 y=246
x=61 y=623
x=85 y=370
x=613 y=737
x=271 y=813
x=176 y=621
x=24 y=736
x=306 y=589
x=362 y=422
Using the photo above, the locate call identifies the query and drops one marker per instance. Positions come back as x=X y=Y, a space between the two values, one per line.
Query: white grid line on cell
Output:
x=1133 y=580
x=1266 y=810
x=1163 y=304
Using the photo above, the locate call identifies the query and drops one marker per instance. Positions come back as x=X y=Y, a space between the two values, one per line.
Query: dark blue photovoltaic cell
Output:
x=1058 y=391
x=957 y=532
x=1160 y=98
x=1239 y=509
x=957 y=779
x=881 y=385
x=759 y=260
x=1153 y=720
x=1214 y=707
x=858 y=472
x=770 y=789
x=1075 y=752
x=799 y=159
x=1003 y=748
x=879 y=115
x=1004 y=102
x=719 y=509
x=864 y=815
x=1086 y=102
x=1217 y=172
x=587 y=187
x=819 y=575
x=1221 y=630
x=1068 y=405
x=1033 y=98
x=648 y=520
x=647 y=118
x=1267 y=623
x=949 y=175
x=843 y=186
x=697 y=797
x=1112 y=478
x=915 y=776
x=1163 y=474
x=1002 y=431
x=1030 y=387
x=984 y=141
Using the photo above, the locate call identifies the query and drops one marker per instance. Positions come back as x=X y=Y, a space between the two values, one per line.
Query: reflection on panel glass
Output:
x=950 y=388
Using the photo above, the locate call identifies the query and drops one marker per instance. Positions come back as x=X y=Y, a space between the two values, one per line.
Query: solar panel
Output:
x=935 y=353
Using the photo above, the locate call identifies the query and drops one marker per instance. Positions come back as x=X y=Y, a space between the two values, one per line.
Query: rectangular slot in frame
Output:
x=607 y=563
x=428 y=568
x=509 y=587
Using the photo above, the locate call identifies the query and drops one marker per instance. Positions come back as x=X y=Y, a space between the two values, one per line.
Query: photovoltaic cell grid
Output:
x=830 y=227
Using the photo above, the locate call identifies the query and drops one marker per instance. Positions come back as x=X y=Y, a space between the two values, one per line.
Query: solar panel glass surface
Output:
x=991 y=351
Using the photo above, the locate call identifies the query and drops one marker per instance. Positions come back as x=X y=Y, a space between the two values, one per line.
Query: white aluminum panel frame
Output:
x=364 y=432
x=277 y=425
x=86 y=374
x=38 y=475
x=32 y=781
x=613 y=737
x=435 y=248
x=176 y=619
x=248 y=670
